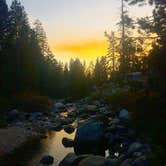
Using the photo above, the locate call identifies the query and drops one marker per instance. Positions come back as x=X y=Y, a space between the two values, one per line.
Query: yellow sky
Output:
x=87 y=50
x=75 y=28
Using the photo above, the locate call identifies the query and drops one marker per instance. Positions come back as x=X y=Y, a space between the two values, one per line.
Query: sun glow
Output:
x=87 y=50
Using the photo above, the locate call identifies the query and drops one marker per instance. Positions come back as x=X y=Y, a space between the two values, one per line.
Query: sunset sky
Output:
x=75 y=28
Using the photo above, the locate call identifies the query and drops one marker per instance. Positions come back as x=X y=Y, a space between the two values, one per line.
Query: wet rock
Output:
x=47 y=160
x=72 y=159
x=95 y=161
x=67 y=142
x=89 y=139
x=69 y=129
x=124 y=114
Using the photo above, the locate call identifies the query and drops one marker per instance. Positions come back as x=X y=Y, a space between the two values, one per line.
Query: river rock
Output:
x=124 y=114
x=113 y=161
x=89 y=139
x=91 y=107
x=127 y=162
x=69 y=129
x=95 y=161
x=67 y=142
x=59 y=105
x=141 y=161
x=135 y=147
x=47 y=160
x=72 y=159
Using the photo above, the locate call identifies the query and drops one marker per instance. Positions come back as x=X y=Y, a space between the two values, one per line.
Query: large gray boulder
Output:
x=135 y=147
x=89 y=139
x=127 y=162
x=71 y=159
x=95 y=161
x=141 y=161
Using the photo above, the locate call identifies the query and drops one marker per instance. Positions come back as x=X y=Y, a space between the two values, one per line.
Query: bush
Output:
x=31 y=102
x=125 y=99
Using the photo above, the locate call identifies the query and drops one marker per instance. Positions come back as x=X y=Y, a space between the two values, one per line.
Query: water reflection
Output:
x=52 y=145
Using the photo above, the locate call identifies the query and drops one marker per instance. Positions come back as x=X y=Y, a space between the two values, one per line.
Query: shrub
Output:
x=31 y=102
x=125 y=99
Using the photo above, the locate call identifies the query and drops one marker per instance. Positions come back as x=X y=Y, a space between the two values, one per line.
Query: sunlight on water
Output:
x=52 y=145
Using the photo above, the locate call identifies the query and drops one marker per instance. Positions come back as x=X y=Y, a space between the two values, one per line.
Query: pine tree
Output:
x=4 y=23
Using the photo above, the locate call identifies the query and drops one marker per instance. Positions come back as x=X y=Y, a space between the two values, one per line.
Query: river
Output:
x=31 y=154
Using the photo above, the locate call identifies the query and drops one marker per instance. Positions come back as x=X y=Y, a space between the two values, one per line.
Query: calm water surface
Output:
x=33 y=151
x=52 y=145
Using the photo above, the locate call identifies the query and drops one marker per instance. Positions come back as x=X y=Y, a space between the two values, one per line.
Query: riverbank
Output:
x=116 y=134
x=12 y=138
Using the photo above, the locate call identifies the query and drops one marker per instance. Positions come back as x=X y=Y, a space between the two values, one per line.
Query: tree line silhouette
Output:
x=28 y=65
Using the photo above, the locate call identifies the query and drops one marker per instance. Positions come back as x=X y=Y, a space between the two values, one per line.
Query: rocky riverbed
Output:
x=102 y=137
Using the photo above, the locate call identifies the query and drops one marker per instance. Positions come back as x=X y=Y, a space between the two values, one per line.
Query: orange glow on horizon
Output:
x=87 y=50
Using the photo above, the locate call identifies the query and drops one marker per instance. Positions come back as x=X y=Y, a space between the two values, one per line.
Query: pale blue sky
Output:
x=67 y=21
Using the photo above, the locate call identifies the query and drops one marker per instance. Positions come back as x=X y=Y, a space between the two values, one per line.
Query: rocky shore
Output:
x=103 y=136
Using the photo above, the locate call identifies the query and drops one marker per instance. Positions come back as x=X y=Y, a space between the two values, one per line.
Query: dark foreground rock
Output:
x=72 y=159
x=47 y=160
x=69 y=129
x=89 y=139
x=67 y=142
x=95 y=161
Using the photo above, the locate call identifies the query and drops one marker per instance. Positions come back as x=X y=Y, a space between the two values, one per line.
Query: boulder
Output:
x=124 y=114
x=89 y=139
x=141 y=161
x=36 y=115
x=127 y=162
x=67 y=143
x=95 y=161
x=69 y=129
x=113 y=161
x=91 y=107
x=59 y=105
x=135 y=147
x=47 y=160
x=72 y=159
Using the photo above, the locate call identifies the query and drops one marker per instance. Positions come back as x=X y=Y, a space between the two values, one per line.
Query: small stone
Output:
x=67 y=142
x=124 y=114
x=47 y=160
x=69 y=129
